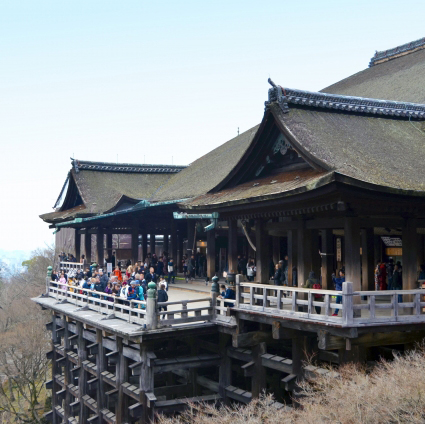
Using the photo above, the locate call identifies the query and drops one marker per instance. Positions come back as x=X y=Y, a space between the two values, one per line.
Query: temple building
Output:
x=330 y=179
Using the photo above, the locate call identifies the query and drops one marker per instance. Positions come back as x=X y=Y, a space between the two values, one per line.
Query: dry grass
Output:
x=394 y=392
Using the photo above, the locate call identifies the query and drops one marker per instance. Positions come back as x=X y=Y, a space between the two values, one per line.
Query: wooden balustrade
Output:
x=286 y=301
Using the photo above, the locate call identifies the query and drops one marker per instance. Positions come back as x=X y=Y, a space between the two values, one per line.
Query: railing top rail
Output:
x=71 y=263
x=95 y=292
x=178 y=302
x=293 y=289
x=388 y=292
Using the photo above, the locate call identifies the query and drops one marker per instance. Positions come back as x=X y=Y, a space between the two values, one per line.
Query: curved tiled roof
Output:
x=395 y=52
x=401 y=78
x=206 y=172
x=125 y=167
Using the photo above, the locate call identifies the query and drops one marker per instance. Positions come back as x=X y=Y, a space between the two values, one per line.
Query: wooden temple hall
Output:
x=331 y=179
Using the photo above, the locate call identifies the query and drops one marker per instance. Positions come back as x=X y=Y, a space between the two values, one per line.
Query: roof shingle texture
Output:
x=401 y=79
x=384 y=151
x=207 y=171
x=101 y=190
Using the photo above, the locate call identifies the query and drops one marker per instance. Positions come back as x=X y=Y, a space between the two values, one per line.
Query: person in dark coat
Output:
x=103 y=280
x=398 y=281
x=162 y=297
x=278 y=275
x=151 y=276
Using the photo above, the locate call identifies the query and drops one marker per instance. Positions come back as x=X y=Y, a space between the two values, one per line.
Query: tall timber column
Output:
x=146 y=381
x=353 y=263
x=109 y=245
x=304 y=253
x=191 y=230
x=152 y=243
x=122 y=375
x=134 y=245
x=100 y=247
x=87 y=245
x=165 y=244
x=211 y=253
x=292 y=254
x=262 y=247
x=144 y=246
x=232 y=243
x=101 y=365
x=82 y=379
x=410 y=254
x=77 y=244
x=328 y=256
x=174 y=244
x=368 y=263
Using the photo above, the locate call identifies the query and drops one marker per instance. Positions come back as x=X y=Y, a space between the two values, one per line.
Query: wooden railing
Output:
x=300 y=303
x=70 y=266
x=183 y=314
x=133 y=311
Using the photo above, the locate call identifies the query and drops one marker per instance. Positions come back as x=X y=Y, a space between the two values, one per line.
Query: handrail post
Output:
x=215 y=290
x=347 y=302
x=48 y=279
x=238 y=279
x=151 y=308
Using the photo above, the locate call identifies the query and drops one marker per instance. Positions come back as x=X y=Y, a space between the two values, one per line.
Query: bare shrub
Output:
x=394 y=392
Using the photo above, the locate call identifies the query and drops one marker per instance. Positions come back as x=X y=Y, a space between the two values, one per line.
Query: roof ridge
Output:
x=124 y=167
x=406 y=48
x=365 y=105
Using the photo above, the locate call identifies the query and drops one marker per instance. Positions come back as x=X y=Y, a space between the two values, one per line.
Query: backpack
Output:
x=317 y=286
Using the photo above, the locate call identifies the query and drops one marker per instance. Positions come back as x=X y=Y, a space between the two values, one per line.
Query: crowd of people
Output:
x=131 y=284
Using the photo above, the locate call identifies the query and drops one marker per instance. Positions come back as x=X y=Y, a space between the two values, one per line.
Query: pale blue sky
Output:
x=159 y=80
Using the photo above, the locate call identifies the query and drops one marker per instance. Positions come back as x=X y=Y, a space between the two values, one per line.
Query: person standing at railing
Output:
x=278 y=275
x=338 y=287
x=313 y=283
x=86 y=285
x=108 y=290
x=117 y=273
x=398 y=281
x=103 y=279
x=162 y=297
x=62 y=281
x=171 y=274
x=54 y=276
x=250 y=270
x=229 y=294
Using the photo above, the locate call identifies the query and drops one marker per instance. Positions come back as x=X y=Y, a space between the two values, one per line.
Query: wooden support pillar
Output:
x=77 y=245
x=304 y=253
x=316 y=259
x=262 y=254
x=101 y=365
x=211 y=253
x=55 y=370
x=368 y=263
x=292 y=254
x=174 y=246
x=180 y=251
x=100 y=247
x=225 y=370
x=328 y=257
x=134 y=246
x=165 y=244
x=421 y=250
x=152 y=243
x=87 y=246
x=377 y=247
x=298 y=355
x=144 y=246
x=121 y=410
x=352 y=252
x=82 y=379
x=146 y=383
x=276 y=249
x=258 y=381
x=232 y=246
x=190 y=237
x=67 y=372
x=410 y=254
